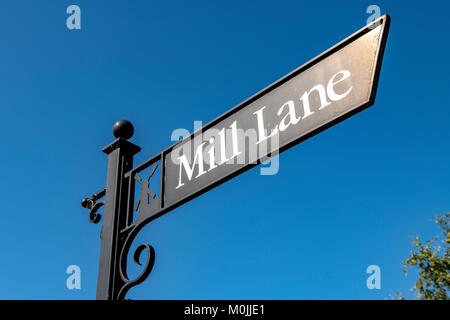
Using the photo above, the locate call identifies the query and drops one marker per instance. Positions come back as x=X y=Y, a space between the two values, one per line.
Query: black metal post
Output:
x=120 y=160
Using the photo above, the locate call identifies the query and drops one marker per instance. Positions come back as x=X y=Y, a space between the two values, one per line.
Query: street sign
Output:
x=328 y=89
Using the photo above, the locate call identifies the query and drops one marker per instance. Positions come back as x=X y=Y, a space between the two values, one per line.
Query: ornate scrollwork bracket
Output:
x=92 y=204
x=147 y=205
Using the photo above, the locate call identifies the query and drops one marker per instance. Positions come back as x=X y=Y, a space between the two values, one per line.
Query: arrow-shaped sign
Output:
x=328 y=89
x=335 y=85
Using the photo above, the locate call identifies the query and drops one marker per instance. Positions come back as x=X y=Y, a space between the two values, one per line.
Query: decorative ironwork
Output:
x=148 y=202
x=92 y=204
x=127 y=283
x=146 y=205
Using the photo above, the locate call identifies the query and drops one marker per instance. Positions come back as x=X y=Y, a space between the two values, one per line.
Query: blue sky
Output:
x=343 y=200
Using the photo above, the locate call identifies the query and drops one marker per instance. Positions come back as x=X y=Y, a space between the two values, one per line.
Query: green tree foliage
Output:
x=432 y=259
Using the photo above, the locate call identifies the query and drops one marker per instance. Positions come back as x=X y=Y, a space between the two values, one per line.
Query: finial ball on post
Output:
x=123 y=129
